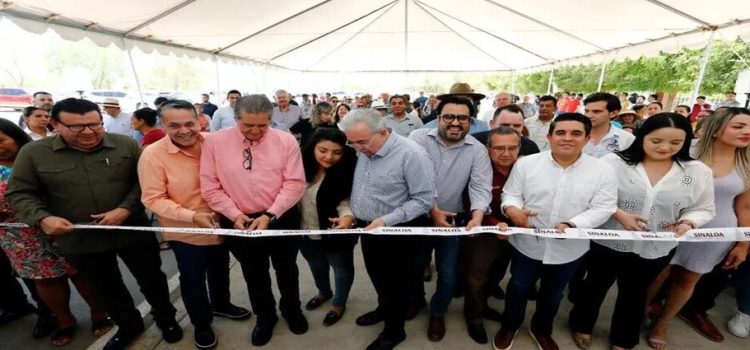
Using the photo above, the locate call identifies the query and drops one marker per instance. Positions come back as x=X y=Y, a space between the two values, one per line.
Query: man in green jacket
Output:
x=82 y=176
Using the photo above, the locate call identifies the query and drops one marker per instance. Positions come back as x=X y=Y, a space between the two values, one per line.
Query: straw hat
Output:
x=462 y=89
x=111 y=102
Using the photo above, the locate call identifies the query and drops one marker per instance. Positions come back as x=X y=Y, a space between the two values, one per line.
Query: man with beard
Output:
x=461 y=163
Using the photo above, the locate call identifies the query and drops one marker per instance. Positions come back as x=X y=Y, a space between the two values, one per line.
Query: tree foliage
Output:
x=668 y=72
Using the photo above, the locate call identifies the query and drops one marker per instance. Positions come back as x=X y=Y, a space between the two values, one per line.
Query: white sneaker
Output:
x=739 y=325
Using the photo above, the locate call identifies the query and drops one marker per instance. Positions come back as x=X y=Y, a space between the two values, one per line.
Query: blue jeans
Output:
x=321 y=260
x=197 y=264
x=742 y=279
x=447 y=251
x=524 y=274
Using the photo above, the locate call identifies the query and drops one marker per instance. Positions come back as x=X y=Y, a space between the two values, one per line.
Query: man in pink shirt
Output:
x=169 y=177
x=253 y=176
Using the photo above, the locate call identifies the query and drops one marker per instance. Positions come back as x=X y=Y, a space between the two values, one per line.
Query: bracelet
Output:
x=686 y=222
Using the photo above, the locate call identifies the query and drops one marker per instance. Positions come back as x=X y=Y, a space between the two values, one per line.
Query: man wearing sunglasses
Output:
x=253 y=176
x=85 y=174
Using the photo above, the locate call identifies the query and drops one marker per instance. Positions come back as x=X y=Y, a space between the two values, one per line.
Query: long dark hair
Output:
x=15 y=132
x=635 y=153
x=339 y=170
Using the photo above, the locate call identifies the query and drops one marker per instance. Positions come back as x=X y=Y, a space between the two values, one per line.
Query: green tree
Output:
x=106 y=66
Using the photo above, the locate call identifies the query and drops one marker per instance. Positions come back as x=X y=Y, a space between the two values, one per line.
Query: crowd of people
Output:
x=555 y=162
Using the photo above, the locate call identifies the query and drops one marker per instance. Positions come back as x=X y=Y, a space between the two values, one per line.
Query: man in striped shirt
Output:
x=393 y=186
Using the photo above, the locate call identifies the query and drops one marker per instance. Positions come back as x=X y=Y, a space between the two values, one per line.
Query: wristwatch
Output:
x=270 y=215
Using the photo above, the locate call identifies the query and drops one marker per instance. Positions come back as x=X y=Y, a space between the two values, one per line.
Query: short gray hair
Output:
x=281 y=92
x=255 y=104
x=370 y=117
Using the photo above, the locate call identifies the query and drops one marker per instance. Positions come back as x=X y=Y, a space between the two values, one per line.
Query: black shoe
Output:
x=205 y=338
x=477 y=332
x=263 y=331
x=44 y=326
x=233 y=312
x=9 y=316
x=385 y=342
x=498 y=293
x=332 y=317
x=317 y=301
x=120 y=340
x=297 y=323
x=492 y=314
x=170 y=331
x=370 y=318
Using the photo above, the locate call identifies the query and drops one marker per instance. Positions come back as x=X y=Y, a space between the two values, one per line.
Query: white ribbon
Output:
x=730 y=234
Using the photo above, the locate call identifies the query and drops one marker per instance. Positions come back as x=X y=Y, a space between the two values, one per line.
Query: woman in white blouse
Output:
x=37 y=122
x=660 y=188
x=329 y=170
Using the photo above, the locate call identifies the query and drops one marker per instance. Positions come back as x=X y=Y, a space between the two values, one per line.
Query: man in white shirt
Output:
x=502 y=99
x=559 y=189
x=224 y=117
x=116 y=121
x=538 y=125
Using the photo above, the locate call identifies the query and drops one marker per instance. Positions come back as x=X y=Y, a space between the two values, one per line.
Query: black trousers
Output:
x=633 y=275
x=391 y=263
x=12 y=297
x=144 y=262
x=487 y=256
x=255 y=254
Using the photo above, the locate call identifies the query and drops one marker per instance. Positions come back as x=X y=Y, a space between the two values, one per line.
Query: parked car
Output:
x=15 y=98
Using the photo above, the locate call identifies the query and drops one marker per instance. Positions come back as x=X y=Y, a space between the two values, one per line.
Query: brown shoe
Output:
x=544 y=341
x=503 y=339
x=436 y=331
x=702 y=325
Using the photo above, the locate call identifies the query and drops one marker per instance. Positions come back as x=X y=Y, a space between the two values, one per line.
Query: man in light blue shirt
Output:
x=224 y=118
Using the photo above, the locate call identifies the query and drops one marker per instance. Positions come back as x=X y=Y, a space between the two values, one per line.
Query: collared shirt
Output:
x=34 y=136
x=476 y=126
x=170 y=182
x=284 y=120
x=463 y=164
x=119 y=124
x=584 y=193
x=396 y=184
x=686 y=192
x=529 y=109
x=209 y=108
x=223 y=118
x=496 y=216
x=404 y=126
x=538 y=131
x=52 y=179
x=275 y=183
x=615 y=140
x=733 y=103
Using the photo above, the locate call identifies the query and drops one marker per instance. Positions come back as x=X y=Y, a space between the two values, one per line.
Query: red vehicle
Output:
x=15 y=98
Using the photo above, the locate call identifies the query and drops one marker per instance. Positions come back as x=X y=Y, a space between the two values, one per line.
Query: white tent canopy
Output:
x=393 y=35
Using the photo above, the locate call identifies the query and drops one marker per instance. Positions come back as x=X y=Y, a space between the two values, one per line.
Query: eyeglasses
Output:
x=449 y=118
x=510 y=149
x=361 y=144
x=248 y=162
x=79 y=127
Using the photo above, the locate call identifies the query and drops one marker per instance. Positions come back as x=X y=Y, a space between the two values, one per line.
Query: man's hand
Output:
x=503 y=227
x=561 y=227
x=375 y=224
x=242 y=221
x=55 y=226
x=630 y=222
x=440 y=217
x=113 y=217
x=342 y=223
x=736 y=256
x=259 y=223
x=519 y=217
x=205 y=220
x=681 y=229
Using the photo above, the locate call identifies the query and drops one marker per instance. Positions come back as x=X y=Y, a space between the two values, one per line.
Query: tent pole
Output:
x=704 y=63
x=218 y=82
x=549 y=86
x=513 y=82
x=601 y=76
x=135 y=73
